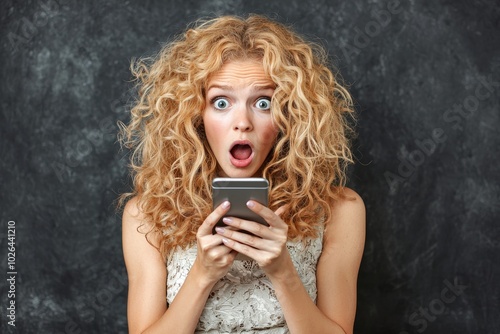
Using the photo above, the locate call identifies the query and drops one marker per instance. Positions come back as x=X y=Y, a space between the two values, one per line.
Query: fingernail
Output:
x=227 y=220
x=250 y=204
x=219 y=229
x=224 y=240
x=226 y=204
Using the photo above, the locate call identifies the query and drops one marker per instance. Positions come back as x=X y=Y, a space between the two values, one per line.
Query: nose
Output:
x=242 y=120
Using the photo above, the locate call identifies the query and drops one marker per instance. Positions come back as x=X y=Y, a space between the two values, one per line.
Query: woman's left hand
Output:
x=266 y=244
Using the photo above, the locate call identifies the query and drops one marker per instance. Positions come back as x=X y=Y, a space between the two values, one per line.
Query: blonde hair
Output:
x=172 y=164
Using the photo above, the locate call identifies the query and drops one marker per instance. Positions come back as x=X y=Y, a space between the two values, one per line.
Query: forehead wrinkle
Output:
x=239 y=74
x=253 y=88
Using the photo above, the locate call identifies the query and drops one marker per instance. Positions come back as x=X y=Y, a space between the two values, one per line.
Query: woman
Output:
x=240 y=97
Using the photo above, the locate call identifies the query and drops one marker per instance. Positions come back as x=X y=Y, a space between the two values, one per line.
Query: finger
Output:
x=260 y=237
x=240 y=248
x=251 y=240
x=214 y=250
x=212 y=219
x=221 y=250
x=269 y=216
x=281 y=209
x=234 y=224
x=210 y=241
x=217 y=258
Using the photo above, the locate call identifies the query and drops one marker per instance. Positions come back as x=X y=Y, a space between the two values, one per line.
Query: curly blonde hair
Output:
x=171 y=162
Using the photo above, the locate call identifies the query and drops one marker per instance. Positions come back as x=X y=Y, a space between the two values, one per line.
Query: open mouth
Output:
x=241 y=151
x=241 y=154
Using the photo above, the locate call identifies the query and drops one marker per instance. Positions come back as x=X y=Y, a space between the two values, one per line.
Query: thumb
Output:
x=212 y=219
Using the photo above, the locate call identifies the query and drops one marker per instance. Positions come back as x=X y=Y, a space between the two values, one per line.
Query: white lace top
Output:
x=244 y=300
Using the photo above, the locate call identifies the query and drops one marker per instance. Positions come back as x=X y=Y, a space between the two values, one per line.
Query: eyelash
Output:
x=212 y=101
x=268 y=98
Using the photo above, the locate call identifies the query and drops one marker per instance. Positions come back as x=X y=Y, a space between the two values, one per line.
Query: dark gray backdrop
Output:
x=425 y=77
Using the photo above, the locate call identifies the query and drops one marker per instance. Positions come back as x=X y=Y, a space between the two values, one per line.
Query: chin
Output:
x=233 y=175
x=238 y=173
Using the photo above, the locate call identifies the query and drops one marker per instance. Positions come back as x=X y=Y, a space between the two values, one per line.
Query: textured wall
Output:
x=426 y=79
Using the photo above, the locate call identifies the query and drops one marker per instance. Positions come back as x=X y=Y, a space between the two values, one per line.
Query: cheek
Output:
x=269 y=134
x=213 y=130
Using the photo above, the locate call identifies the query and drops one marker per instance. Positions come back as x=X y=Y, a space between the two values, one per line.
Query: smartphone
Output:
x=238 y=191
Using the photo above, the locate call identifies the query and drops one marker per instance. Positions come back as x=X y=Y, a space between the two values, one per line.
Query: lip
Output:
x=241 y=163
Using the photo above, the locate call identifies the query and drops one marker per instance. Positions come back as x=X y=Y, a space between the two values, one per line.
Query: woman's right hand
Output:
x=213 y=258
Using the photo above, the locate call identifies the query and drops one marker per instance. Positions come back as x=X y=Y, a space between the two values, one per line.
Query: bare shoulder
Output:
x=349 y=205
x=137 y=247
x=132 y=207
x=134 y=221
x=132 y=215
x=348 y=222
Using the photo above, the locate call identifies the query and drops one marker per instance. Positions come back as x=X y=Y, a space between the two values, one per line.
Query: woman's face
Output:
x=237 y=118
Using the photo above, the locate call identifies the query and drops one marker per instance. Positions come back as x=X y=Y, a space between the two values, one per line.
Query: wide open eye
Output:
x=263 y=103
x=220 y=103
